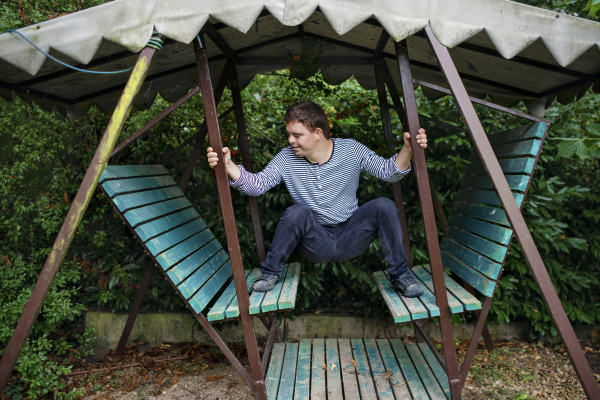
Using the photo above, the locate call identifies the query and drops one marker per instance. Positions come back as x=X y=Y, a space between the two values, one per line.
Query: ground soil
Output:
x=515 y=370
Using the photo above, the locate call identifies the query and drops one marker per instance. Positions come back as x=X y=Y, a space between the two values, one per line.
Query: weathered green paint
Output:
x=468 y=301
x=334 y=378
x=348 y=371
x=489 y=249
x=274 y=372
x=147 y=213
x=126 y=202
x=397 y=380
x=287 y=299
x=302 y=390
x=529 y=131
x=382 y=383
x=217 y=312
x=429 y=380
x=515 y=182
x=491 y=214
x=171 y=238
x=474 y=278
x=317 y=387
x=522 y=165
x=436 y=368
x=288 y=372
x=130 y=171
x=529 y=147
x=233 y=311
x=482 y=228
x=454 y=305
x=202 y=274
x=408 y=370
x=399 y=311
x=477 y=261
x=186 y=267
x=205 y=295
x=363 y=372
x=175 y=254
x=484 y=196
x=158 y=226
x=122 y=186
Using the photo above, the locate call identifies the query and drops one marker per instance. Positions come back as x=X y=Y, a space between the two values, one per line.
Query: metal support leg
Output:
x=390 y=140
x=433 y=246
x=199 y=145
x=530 y=251
x=135 y=308
x=75 y=215
x=487 y=303
x=246 y=159
x=233 y=242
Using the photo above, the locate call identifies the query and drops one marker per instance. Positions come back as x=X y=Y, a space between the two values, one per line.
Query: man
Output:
x=325 y=224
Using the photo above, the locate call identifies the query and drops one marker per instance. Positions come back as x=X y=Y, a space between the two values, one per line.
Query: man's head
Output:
x=306 y=126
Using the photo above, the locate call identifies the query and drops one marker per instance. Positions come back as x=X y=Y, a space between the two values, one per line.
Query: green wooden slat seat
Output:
x=173 y=233
x=478 y=235
x=370 y=370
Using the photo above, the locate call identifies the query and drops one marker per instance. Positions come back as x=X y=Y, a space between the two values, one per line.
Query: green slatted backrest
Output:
x=478 y=235
x=163 y=219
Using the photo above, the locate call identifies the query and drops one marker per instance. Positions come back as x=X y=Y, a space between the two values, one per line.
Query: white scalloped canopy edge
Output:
x=511 y=27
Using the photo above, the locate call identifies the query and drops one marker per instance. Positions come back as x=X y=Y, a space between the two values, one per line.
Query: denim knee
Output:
x=296 y=214
x=385 y=207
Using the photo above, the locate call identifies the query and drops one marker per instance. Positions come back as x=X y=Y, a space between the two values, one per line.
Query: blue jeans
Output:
x=299 y=230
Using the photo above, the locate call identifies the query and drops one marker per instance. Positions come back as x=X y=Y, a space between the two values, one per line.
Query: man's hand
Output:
x=232 y=169
x=403 y=158
x=421 y=139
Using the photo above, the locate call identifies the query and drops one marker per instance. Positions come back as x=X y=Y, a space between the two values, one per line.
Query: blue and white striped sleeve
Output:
x=379 y=167
x=257 y=184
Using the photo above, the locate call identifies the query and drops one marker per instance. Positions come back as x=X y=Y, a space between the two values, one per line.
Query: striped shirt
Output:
x=329 y=189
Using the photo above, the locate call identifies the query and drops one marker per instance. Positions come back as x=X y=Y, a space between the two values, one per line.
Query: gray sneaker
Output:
x=407 y=285
x=265 y=282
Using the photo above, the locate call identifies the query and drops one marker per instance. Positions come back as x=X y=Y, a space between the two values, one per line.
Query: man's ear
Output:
x=318 y=132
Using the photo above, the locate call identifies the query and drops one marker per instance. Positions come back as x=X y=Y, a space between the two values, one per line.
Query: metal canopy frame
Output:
x=430 y=207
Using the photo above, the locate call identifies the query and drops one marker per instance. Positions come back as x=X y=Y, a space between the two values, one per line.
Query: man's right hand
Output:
x=213 y=159
x=233 y=170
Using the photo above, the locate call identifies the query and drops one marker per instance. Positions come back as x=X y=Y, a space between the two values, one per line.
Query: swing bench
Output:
x=178 y=240
x=356 y=41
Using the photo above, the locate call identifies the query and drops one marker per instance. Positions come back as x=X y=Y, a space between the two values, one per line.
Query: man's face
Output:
x=302 y=140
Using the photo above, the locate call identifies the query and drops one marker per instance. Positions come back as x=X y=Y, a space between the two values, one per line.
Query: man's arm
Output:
x=405 y=154
x=247 y=182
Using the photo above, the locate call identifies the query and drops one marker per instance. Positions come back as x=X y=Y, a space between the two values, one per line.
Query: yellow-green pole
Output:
x=75 y=215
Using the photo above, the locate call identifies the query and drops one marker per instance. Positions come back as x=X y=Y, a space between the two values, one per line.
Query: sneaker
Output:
x=265 y=282
x=407 y=285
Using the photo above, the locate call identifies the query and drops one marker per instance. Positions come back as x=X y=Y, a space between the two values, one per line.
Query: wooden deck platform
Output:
x=355 y=369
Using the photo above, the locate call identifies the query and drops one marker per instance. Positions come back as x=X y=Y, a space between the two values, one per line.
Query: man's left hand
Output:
x=421 y=139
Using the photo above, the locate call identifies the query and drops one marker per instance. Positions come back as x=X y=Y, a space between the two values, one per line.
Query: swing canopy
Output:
x=508 y=51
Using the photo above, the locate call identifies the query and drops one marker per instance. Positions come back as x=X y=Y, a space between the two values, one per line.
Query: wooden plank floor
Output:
x=344 y=369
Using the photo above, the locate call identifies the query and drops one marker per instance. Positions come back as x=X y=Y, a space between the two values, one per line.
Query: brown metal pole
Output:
x=487 y=303
x=74 y=216
x=517 y=222
x=390 y=140
x=199 y=145
x=155 y=121
x=233 y=243
x=483 y=102
x=246 y=159
x=135 y=308
x=433 y=246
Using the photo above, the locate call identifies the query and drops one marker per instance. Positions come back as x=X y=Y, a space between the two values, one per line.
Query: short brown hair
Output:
x=310 y=114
